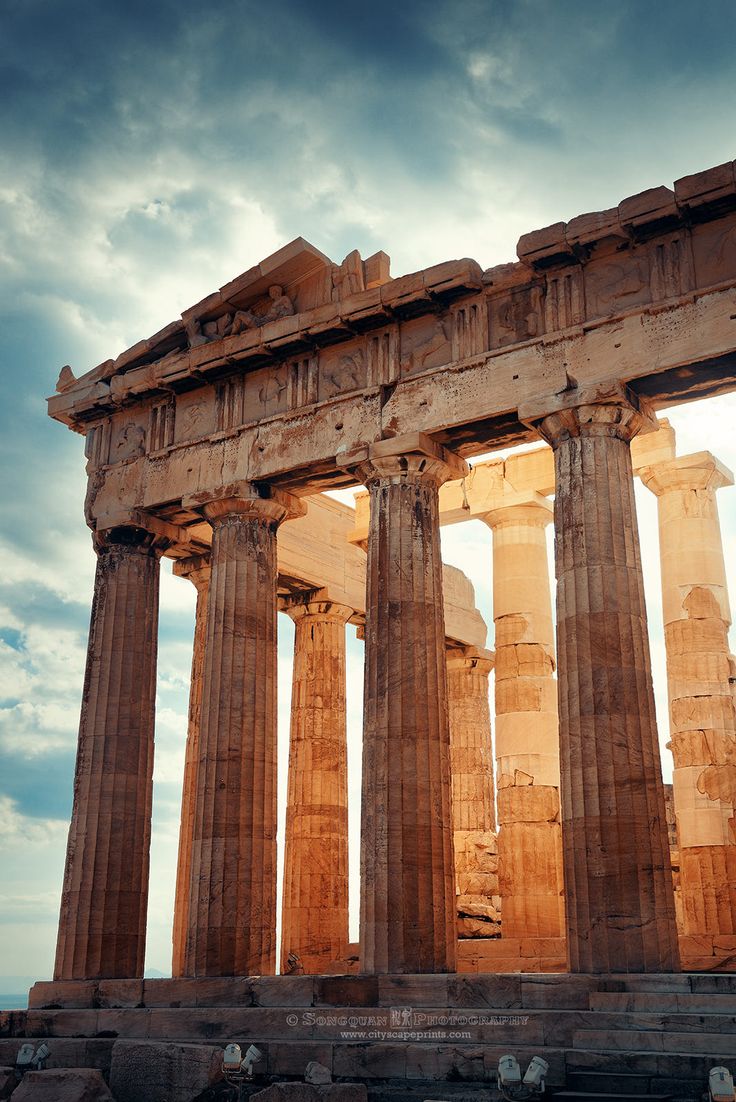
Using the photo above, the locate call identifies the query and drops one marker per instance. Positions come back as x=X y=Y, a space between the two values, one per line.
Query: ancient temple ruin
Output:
x=213 y=441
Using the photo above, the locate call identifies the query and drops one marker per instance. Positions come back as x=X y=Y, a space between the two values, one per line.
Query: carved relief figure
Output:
x=427 y=348
x=516 y=317
x=346 y=372
x=131 y=442
x=281 y=307
x=616 y=285
x=348 y=277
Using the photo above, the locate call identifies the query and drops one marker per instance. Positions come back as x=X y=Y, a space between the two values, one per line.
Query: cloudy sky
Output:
x=151 y=151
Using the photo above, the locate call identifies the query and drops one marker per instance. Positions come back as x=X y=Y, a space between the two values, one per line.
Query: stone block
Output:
x=345 y=991
x=61 y=1023
x=317 y=1074
x=372 y=1061
x=113 y=994
x=307 y=1092
x=343 y=1092
x=8 y=1082
x=562 y=992
x=122 y=1023
x=498 y=992
x=417 y=990
x=151 y=1071
x=283 y=990
x=62 y=993
x=64 y=1085
x=291 y=1057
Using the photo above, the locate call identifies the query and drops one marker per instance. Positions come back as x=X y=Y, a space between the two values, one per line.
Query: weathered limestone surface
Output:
x=63 y=1085
x=697 y=616
x=314 y=926
x=618 y=879
x=407 y=875
x=527 y=735
x=163 y=1071
x=198 y=572
x=232 y=913
x=102 y=925
x=473 y=810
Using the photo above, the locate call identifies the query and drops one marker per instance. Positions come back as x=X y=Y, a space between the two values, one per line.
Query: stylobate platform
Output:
x=661 y=1033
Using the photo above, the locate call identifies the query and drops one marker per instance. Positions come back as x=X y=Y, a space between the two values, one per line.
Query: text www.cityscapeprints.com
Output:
x=397 y=1035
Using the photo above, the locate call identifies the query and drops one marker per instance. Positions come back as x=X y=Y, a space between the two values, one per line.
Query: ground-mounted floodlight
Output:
x=513 y=1087
x=238 y=1068
x=721 y=1086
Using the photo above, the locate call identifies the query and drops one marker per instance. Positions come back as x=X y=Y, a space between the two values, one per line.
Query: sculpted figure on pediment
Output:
x=348 y=278
x=213 y=330
x=280 y=306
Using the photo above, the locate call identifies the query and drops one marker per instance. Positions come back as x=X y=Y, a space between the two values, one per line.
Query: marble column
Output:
x=407 y=873
x=473 y=808
x=697 y=617
x=314 y=923
x=618 y=878
x=232 y=911
x=102 y=926
x=527 y=731
x=197 y=570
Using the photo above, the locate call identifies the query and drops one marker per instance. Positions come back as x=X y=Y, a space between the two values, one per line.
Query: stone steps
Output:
x=627 y=1096
x=662 y=1003
x=486 y=1025
x=629 y=1040
x=660 y=1033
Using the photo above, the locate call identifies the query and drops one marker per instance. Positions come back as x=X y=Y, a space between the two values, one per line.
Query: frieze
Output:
x=195 y=415
x=516 y=317
x=616 y=283
x=469 y=328
x=426 y=343
x=564 y=299
x=714 y=252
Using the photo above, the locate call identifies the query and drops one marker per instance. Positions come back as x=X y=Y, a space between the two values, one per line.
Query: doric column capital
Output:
x=470 y=658
x=129 y=538
x=413 y=457
x=699 y=471
x=258 y=500
x=521 y=508
x=197 y=568
x=316 y=605
x=613 y=411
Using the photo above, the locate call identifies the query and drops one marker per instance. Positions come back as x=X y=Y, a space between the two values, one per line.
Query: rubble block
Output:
x=308 y=1092
x=64 y=1085
x=163 y=1071
x=8 y=1082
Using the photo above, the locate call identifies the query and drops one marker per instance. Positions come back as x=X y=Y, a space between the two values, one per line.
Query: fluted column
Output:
x=198 y=571
x=232 y=912
x=697 y=616
x=407 y=875
x=473 y=809
x=102 y=925
x=527 y=731
x=618 y=879
x=314 y=923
